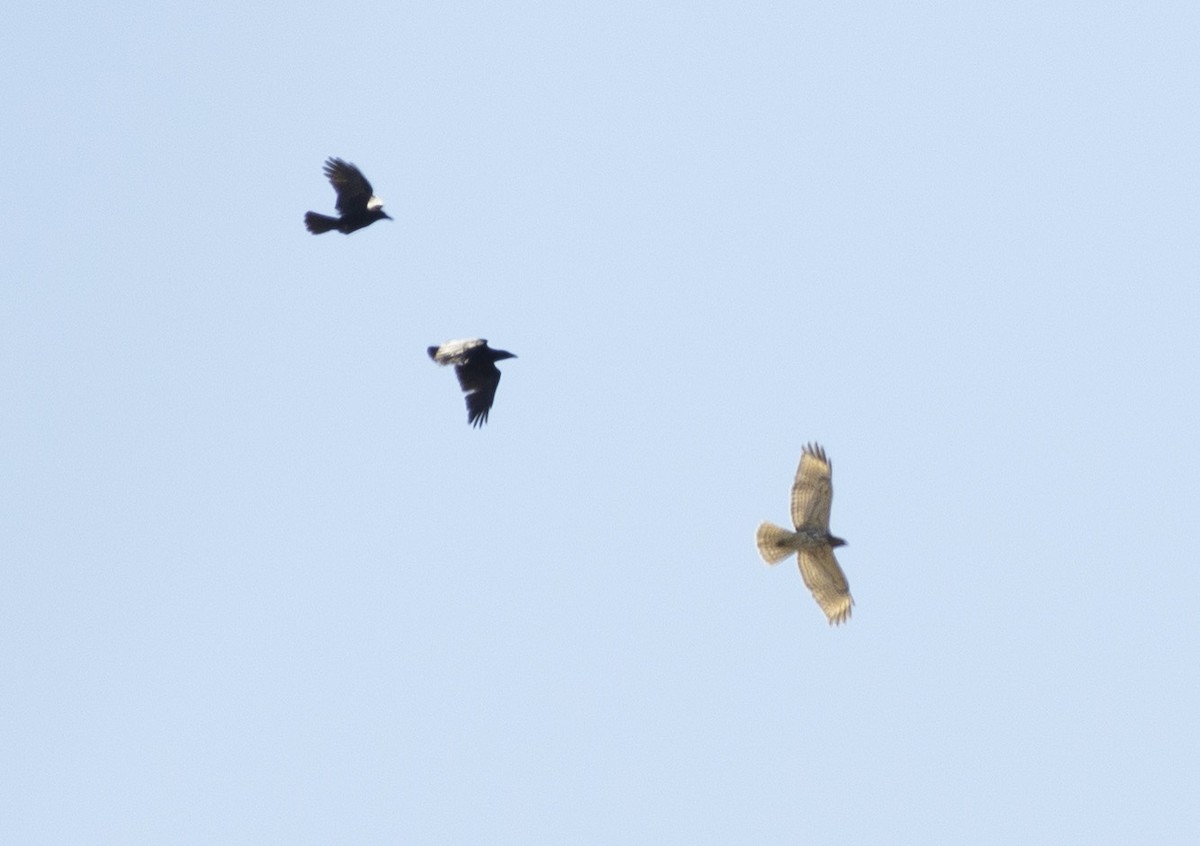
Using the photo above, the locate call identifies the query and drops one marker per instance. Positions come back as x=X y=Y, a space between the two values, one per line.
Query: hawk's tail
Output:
x=774 y=543
x=318 y=223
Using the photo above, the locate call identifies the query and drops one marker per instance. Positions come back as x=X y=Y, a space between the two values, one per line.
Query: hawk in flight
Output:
x=475 y=365
x=812 y=495
x=357 y=204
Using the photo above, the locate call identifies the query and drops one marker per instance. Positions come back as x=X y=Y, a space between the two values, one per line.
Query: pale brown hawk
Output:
x=812 y=496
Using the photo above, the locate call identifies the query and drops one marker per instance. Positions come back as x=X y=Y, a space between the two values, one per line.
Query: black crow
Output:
x=357 y=205
x=475 y=365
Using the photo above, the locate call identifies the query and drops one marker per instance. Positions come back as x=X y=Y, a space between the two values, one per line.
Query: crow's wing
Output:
x=479 y=380
x=353 y=190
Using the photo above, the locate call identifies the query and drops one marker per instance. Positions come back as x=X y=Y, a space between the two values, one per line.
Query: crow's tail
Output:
x=318 y=223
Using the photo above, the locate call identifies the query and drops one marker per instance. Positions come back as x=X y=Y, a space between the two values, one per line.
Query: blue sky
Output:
x=261 y=583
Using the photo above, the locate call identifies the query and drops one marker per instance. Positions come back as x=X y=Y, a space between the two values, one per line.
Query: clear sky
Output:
x=262 y=584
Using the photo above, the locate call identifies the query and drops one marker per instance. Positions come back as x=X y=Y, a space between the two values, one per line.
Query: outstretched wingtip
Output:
x=841 y=614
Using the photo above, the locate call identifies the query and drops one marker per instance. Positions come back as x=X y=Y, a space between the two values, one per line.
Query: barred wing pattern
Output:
x=828 y=584
x=812 y=492
x=812 y=497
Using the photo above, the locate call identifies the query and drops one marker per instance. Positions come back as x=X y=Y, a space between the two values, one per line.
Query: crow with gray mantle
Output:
x=475 y=365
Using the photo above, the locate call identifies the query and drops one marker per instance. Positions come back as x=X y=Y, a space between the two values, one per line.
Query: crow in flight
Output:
x=475 y=365
x=357 y=205
x=812 y=495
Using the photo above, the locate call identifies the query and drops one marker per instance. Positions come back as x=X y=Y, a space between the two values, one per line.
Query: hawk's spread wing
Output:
x=353 y=189
x=812 y=493
x=827 y=582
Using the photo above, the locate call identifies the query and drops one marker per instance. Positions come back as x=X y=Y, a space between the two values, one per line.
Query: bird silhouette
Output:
x=812 y=497
x=475 y=365
x=357 y=204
